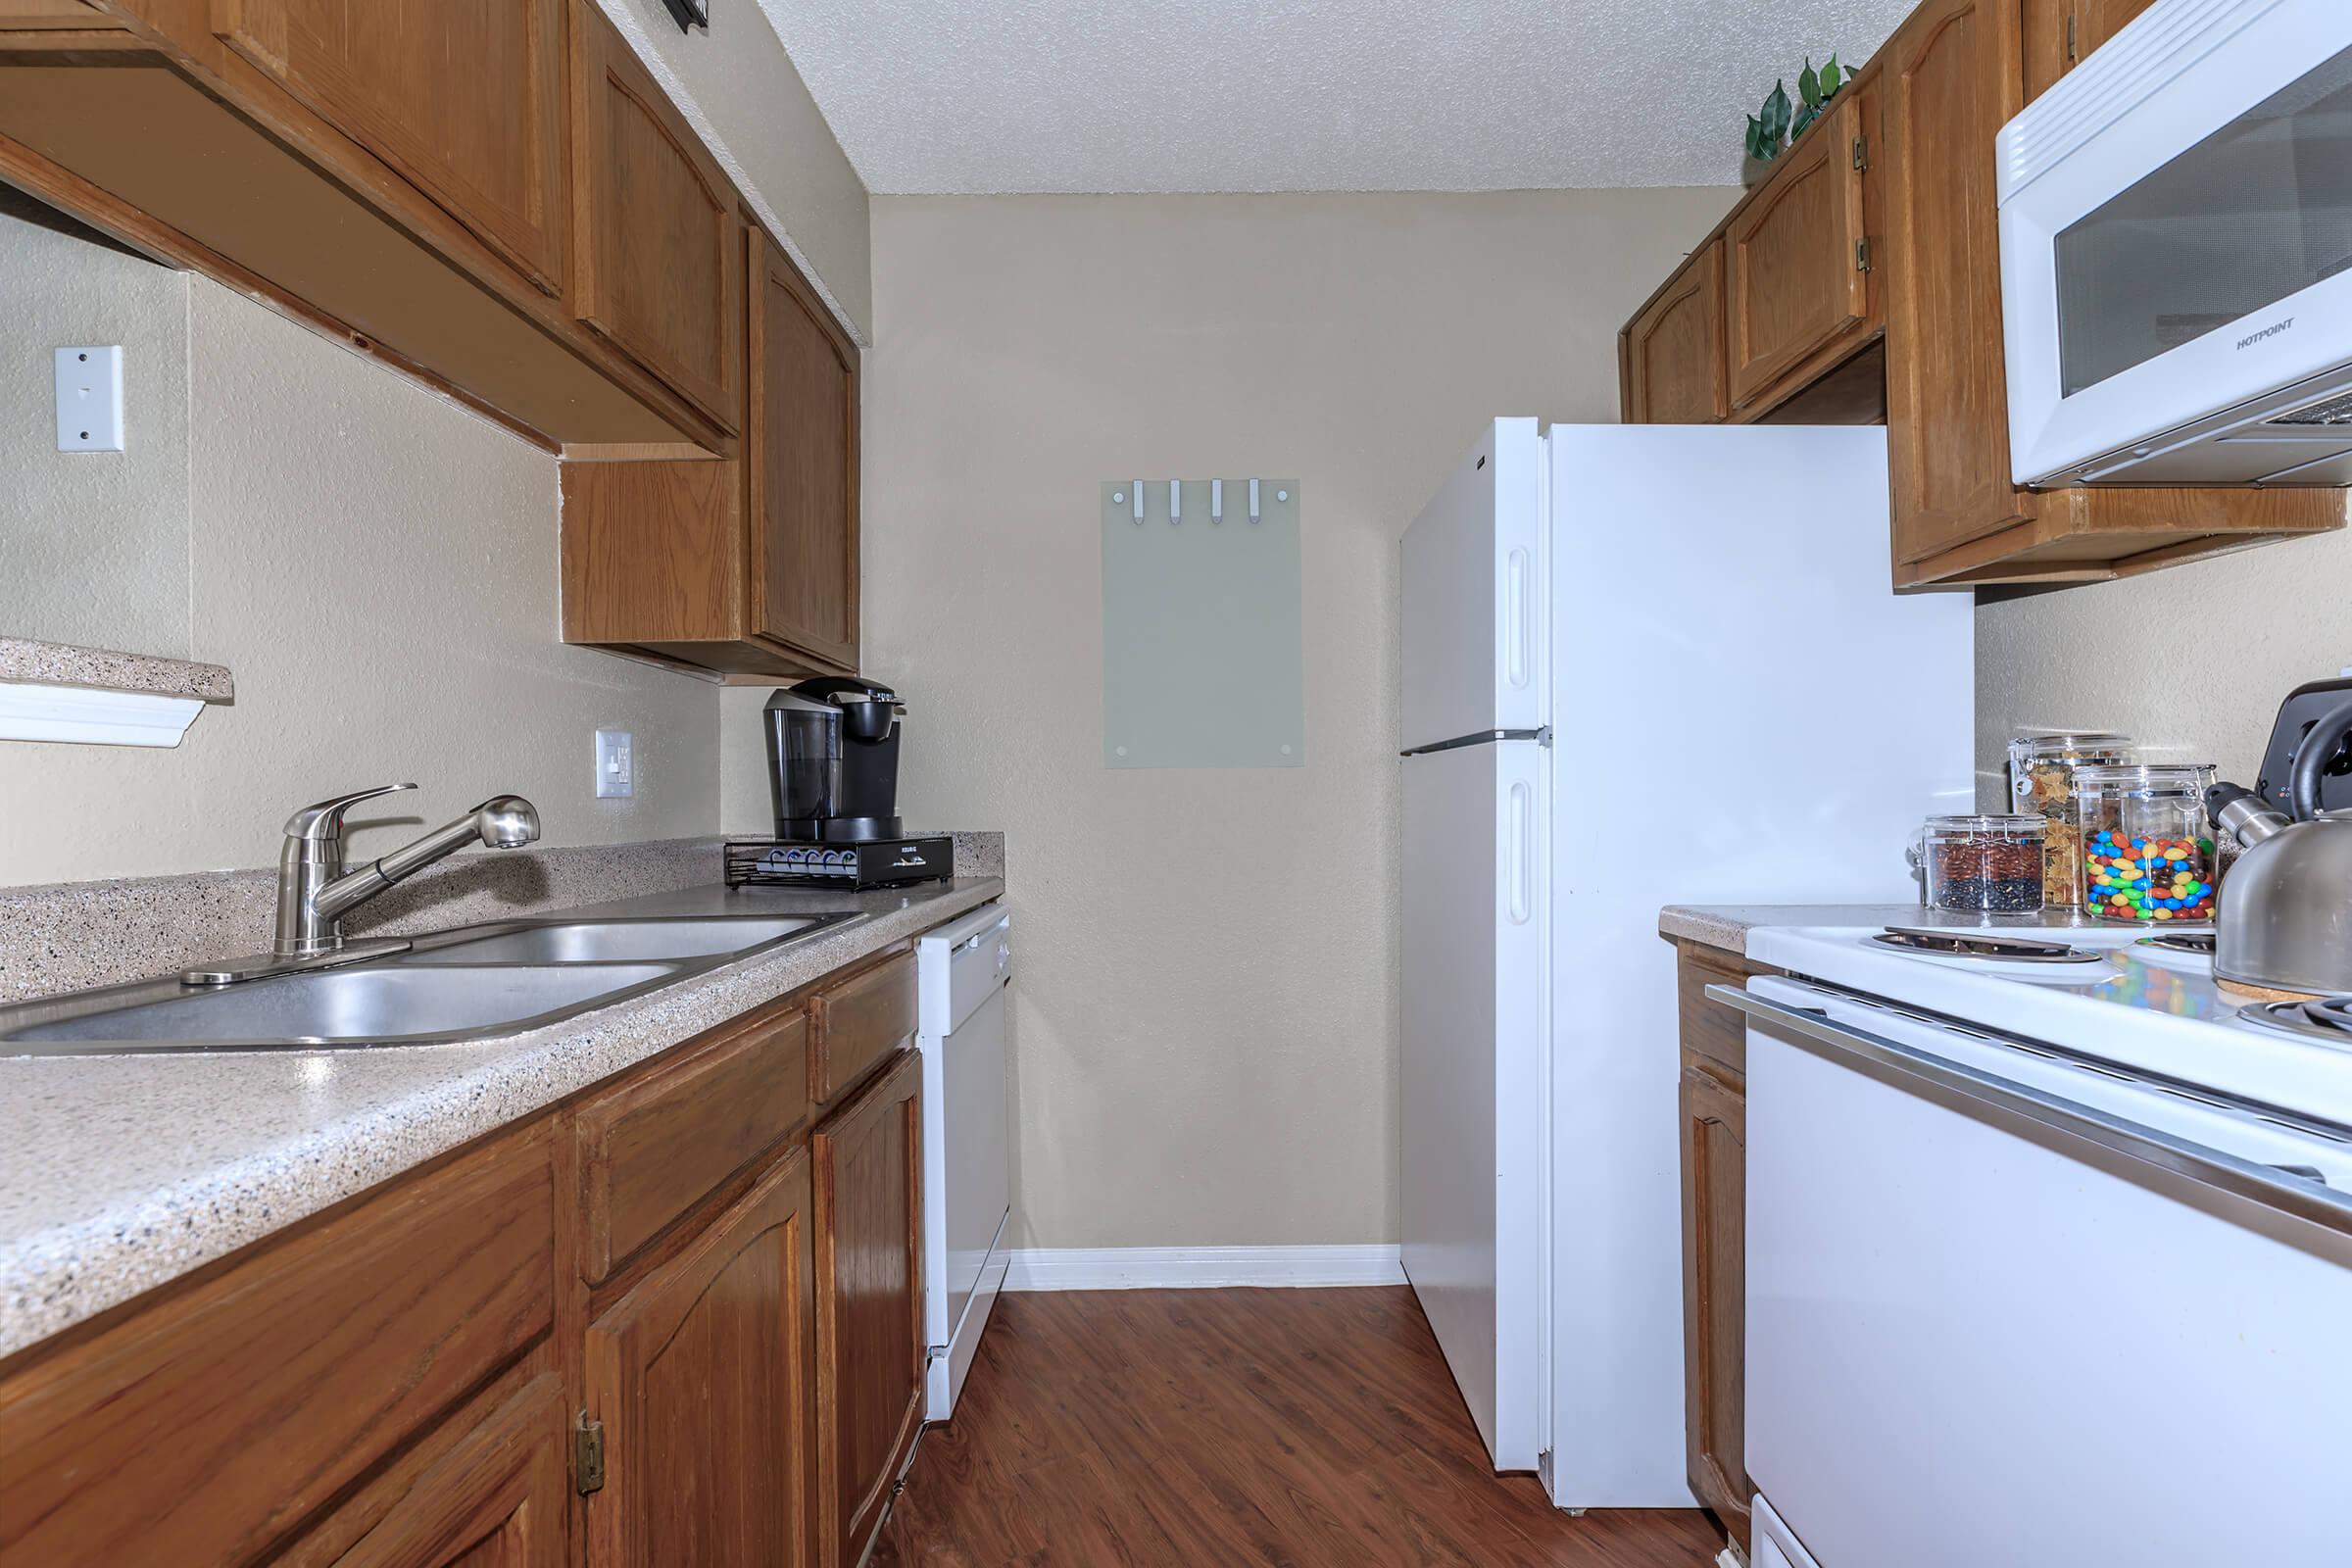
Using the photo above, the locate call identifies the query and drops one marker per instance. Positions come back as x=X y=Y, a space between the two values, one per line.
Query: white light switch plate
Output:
x=89 y=399
x=615 y=764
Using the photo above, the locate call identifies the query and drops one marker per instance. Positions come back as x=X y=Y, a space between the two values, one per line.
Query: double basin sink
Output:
x=472 y=983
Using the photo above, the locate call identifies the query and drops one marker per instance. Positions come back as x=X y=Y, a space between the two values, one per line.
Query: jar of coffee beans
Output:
x=1983 y=865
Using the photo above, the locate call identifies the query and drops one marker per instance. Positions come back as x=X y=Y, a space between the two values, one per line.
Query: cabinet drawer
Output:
x=200 y=1429
x=858 y=1021
x=1710 y=1030
x=659 y=1145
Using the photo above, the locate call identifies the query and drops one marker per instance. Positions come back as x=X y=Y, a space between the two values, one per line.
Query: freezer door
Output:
x=1474 y=587
x=1473 y=1077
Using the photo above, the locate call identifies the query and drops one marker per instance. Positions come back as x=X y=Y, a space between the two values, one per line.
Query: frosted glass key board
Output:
x=1200 y=626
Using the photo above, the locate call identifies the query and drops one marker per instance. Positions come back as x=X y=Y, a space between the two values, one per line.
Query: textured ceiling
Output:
x=1230 y=95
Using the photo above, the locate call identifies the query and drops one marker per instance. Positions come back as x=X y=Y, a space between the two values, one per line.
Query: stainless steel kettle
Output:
x=2285 y=918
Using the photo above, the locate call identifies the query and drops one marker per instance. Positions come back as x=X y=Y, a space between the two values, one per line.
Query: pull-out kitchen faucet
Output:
x=314 y=891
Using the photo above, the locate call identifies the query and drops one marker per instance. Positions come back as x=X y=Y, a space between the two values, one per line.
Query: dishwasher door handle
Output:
x=2017 y=1104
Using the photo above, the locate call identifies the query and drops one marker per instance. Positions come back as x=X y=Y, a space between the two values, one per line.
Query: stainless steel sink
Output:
x=472 y=983
x=613 y=941
x=373 y=1005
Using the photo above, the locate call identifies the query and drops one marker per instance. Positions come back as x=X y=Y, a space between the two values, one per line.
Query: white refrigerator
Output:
x=1643 y=665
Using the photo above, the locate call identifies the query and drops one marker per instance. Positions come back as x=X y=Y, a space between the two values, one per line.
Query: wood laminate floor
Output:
x=1303 y=1427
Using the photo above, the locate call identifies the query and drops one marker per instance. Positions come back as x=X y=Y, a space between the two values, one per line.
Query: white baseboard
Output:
x=1193 y=1268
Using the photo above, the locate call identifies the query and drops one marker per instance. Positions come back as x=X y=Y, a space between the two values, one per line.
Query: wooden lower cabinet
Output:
x=1714 y=1282
x=1714 y=1161
x=700 y=1378
x=869 y=1304
x=492 y=1489
x=676 y=1320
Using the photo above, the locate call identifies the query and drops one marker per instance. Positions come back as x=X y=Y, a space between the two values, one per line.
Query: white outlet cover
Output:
x=89 y=397
x=615 y=764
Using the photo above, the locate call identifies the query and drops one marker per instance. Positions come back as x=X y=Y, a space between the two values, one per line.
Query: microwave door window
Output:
x=2258 y=211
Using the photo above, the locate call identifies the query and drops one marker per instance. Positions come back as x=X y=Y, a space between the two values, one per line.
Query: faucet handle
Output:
x=315 y=824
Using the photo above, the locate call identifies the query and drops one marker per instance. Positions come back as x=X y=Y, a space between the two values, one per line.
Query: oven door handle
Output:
x=2017 y=1105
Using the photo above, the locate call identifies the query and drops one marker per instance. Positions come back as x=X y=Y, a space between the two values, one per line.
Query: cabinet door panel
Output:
x=1953 y=74
x=659 y=265
x=1714 y=1286
x=463 y=97
x=802 y=425
x=1794 y=280
x=701 y=1378
x=1674 y=368
x=869 y=1304
x=497 y=1496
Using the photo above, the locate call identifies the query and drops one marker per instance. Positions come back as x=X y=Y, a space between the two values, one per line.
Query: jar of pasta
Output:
x=2041 y=783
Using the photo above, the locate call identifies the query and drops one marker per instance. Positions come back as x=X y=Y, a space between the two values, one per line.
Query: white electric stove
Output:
x=2049 y=1258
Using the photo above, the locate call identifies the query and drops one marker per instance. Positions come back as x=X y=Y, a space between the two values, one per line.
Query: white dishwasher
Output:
x=962 y=969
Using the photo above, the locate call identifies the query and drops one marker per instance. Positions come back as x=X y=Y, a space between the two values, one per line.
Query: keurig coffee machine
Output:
x=833 y=760
x=833 y=773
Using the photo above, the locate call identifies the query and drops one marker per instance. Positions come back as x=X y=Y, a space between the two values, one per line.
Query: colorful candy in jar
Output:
x=2148 y=879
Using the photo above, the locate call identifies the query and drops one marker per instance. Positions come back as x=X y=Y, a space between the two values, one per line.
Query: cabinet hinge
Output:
x=1862 y=254
x=1861 y=155
x=2071 y=55
x=588 y=1455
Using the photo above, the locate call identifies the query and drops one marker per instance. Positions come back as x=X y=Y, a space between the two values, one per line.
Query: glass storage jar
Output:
x=1983 y=864
x=2147 y=845
x=2041 y=781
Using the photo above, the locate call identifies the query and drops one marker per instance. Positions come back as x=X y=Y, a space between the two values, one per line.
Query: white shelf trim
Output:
x=1187 y=1268
x=30 y=712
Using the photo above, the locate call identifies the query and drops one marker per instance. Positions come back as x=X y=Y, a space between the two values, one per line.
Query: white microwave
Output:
x=2176 y=219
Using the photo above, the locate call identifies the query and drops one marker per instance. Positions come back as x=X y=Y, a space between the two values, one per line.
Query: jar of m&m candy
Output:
x=2147 y=847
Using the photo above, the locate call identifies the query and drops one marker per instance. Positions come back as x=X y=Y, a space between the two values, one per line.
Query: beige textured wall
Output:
x=746 y=98
x=377 y=566
x=1206 y=1014
x=2192 y=660
x=93 y=545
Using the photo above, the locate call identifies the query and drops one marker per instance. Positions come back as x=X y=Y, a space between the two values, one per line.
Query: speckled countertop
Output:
x=120 y=1173
x=1727 y=926
x=21 y=659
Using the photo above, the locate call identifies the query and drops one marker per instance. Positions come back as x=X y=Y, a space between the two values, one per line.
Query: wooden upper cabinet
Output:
x=802 y=424
x=869 y=1304
x=1672 y=356
x=1797 y=270
x=2060 y=33
x=1951 y=76
x=658 y=264
x=701 y=1379
x=465 y=99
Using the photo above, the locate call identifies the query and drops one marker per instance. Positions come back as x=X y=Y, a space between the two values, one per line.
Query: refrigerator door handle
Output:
x=1519 y=621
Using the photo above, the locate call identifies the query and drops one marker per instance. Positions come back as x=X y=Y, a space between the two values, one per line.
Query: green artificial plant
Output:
x=1780 y=123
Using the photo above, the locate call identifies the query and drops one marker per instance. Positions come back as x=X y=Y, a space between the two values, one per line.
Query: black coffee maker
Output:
x=833 y=760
